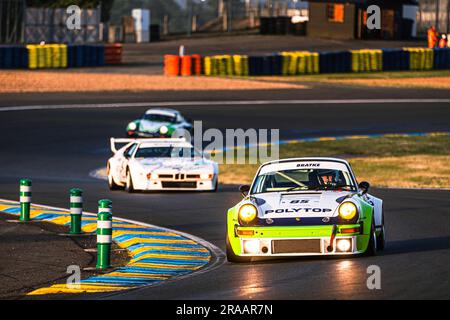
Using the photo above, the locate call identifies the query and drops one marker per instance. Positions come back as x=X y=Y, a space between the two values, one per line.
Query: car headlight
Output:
x=163 y=130
x=132 y=126
x=348 y=210
x=247 y=213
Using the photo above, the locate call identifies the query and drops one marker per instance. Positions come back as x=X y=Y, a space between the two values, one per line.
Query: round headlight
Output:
x=348 y=210
x=163 y=130
x=132 y=126
x=247 y=213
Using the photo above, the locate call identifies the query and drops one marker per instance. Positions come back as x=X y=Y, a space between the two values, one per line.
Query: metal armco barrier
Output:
x=76 y=210
x=37 y=56
x=305 y=62
x=25 y=199
x=104 y=234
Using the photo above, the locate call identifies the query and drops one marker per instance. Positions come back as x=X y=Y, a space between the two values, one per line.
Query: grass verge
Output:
x=395 y=161
x=433 y=79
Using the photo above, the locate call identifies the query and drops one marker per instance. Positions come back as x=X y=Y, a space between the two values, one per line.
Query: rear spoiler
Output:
x=114 y=141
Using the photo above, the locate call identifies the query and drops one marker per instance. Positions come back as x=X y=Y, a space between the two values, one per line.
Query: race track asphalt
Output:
x=58 y=149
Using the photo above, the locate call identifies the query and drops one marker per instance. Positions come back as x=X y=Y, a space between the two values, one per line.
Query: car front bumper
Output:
x=297 y=241
x=187 y=185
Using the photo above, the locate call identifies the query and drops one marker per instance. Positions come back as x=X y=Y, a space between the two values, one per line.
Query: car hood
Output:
x=298 y=204
x=151 y=126
x=175 y=164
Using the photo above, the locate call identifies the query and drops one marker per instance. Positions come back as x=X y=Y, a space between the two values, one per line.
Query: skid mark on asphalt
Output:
x=156 y=254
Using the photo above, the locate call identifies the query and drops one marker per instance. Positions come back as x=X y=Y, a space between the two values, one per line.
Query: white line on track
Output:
x=218 y=103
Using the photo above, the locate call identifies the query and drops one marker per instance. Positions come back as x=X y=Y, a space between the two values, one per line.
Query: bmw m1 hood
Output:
x=175 y=164
x=151 y=126
x=298 y=204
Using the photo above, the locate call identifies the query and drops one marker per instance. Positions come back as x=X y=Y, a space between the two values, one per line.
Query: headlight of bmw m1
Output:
x=347 y=210
x=247 y=213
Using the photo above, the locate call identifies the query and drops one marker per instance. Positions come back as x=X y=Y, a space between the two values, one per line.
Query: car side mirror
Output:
x=244 y=189
x=364 y=187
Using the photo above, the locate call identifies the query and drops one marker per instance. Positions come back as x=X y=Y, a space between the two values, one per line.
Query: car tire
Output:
x=381 y=238
x=372 y=246
x=231 y=257
x=129 y=184
x=216 y=186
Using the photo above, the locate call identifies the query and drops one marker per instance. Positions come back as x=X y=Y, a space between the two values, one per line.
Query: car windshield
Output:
x=303 y=179
x=166 y=152
x=159 y=118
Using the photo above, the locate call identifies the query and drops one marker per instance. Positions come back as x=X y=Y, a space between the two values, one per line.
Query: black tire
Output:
x=216 y=186
x=372 y=246
x=231 y=257
x=381 y=238
x=129 y=184
x=111 y=183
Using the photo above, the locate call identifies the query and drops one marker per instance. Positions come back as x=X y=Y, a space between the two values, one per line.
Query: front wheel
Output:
x=381 y=238
x=372 y=246
x=231 y=257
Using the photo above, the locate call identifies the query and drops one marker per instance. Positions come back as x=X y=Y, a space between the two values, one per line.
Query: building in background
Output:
x=347 y=19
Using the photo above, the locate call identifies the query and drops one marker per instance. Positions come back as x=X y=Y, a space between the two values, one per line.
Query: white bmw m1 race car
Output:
x=160 y=164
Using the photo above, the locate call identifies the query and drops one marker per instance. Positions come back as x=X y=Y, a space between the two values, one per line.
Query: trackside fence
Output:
x=304 y=62
x=36 y=56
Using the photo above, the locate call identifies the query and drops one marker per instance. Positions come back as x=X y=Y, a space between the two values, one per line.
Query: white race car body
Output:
x=129 y=169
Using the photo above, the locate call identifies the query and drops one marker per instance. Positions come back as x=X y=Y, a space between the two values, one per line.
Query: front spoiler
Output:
x=324 y=244
x=265 y=237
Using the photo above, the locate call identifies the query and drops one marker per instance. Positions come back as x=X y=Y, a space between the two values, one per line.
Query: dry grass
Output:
x=431 y=82
x=70 y=81
x=433 y=79
x=407 y=162
x=418 y=171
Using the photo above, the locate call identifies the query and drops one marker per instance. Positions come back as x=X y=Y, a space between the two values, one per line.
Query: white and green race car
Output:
x=158 y=123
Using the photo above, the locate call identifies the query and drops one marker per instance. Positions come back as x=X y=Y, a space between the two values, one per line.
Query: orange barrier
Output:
x=113 y=53
x=196 y=64
x=186 y=65
x=171 y=65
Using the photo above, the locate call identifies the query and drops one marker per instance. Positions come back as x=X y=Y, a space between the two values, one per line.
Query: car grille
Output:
x=296 y=246
x=176 y=184
x=165 y=176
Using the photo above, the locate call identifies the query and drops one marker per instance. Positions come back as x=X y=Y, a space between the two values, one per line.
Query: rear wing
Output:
x=126 y=141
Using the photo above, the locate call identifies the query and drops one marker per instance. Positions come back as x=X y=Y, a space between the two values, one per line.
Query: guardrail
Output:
x=305 y=62
x=36 y=56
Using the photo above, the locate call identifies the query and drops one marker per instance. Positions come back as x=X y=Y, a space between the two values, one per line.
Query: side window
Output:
x=129 y=151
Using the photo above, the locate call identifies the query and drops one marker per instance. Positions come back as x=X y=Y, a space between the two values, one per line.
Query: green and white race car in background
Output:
x=305 y=207
x=158 y=123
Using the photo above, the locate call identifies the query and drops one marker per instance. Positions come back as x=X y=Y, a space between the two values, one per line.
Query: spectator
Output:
x=432 y=37
x=443 y=41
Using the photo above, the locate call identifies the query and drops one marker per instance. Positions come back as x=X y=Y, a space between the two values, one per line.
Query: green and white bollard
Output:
x=76 y=210
x=25 y=199
x=104 y=234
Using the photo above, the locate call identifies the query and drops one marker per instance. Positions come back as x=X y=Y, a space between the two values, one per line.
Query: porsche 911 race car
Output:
x=158 y=123
x=305 y=207
x=160 y=164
